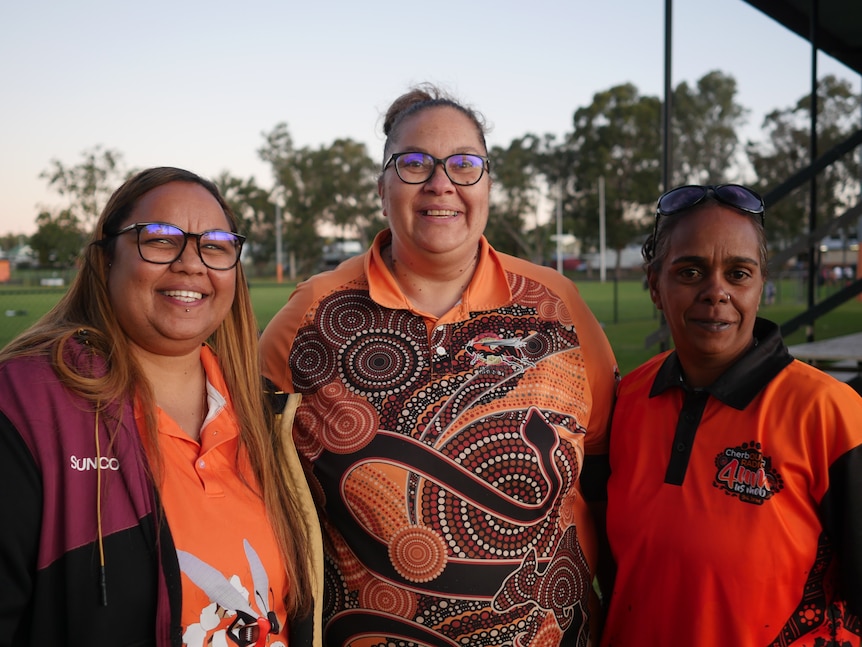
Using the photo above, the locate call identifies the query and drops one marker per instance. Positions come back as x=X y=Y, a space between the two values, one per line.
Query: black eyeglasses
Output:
x=463 y=169
x=161 y=243
x=733 y=195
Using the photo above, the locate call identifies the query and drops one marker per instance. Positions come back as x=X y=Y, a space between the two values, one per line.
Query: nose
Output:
x=439 y=182
x=189 y=260
x=716 y=291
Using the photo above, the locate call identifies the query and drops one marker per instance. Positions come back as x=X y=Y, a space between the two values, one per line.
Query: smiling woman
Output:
x=165 y=467
x=454 y=412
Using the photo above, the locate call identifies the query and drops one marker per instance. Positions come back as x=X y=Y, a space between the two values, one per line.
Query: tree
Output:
x=58 y=239
x=11 y=241
x=785 y=150
x=252 y=205
x=300 y=232
x=88 y=184
x=351 y=184
x=616 y=137
x=704 y=129
x=335 y=184
x=516 y=172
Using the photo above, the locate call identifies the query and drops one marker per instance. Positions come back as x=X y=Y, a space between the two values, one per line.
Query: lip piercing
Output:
x=187 y=310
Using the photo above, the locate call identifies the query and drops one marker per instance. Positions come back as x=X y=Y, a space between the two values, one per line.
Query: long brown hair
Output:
x=86 y=309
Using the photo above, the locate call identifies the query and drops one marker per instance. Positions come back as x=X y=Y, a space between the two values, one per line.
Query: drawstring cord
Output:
x=103 y=584
x=83 y=336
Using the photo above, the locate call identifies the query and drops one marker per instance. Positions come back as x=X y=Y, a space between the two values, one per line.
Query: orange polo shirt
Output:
x=218 y=523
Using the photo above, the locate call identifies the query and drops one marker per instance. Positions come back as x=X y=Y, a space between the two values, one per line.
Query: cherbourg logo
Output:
x=93 y=463
x=745 y=472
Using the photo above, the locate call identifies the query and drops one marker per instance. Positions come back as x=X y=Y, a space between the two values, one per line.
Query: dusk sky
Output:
x=195 y=84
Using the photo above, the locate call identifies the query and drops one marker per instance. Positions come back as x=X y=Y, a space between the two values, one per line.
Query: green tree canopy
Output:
x=58 y=239
x=88 y=184
x=786 y=148
x=705 y=123
x=617 y=137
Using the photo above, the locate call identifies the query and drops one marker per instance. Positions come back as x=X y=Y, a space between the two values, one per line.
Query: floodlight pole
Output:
x=603 y=245
x=279 y=261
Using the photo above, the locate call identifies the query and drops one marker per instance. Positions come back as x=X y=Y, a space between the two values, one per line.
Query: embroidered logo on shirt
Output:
x=745 y=472
x=491 y=349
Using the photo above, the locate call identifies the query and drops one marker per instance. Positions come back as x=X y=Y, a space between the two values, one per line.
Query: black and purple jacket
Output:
x=64 y=472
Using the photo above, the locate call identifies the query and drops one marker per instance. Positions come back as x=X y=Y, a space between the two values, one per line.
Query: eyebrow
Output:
x=733 y=260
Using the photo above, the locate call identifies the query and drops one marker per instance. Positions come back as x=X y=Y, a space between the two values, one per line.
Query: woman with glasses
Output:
x=735 y=497
x=147 y=501
x=454 y=413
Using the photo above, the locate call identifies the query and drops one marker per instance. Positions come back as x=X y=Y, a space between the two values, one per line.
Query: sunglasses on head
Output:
x=683 y=198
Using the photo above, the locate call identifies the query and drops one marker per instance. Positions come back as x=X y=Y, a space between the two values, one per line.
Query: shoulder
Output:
x=19 y=374
x=806 y=384
x=278 y=335
x=641 y=378
x=547 y=276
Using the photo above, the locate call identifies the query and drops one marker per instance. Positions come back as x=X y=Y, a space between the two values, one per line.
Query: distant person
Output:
x=769 y=293
x=145 y=503
x=454 y=413
x=735 y=497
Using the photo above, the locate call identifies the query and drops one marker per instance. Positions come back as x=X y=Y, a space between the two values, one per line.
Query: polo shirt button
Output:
x=202 y=464
x=680 y=447
x=440 y=351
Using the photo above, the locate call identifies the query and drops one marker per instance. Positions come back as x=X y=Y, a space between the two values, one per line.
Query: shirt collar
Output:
x=741 y=383
x=488 y=289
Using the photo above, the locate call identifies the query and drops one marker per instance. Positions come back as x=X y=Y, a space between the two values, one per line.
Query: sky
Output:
x=196 y=84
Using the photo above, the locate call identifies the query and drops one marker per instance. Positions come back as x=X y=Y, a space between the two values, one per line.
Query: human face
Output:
x=170 y=309
x=709 y=288
x=437 y=221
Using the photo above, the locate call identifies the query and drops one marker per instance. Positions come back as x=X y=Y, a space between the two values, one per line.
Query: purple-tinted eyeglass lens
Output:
x=681 y=198
x=686 y=197
x=739 y=197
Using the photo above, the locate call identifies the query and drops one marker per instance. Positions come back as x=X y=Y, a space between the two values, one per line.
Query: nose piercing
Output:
x=727 y=294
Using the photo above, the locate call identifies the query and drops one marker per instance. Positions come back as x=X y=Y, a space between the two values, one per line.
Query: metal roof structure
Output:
x=839 y=25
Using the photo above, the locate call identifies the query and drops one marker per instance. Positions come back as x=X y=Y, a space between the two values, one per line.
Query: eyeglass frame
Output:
x=486 y=166
x=648 y=249
x=138 y=226
x=712 y=189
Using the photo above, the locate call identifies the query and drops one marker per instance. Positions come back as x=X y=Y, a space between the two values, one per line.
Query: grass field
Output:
x=624 y=309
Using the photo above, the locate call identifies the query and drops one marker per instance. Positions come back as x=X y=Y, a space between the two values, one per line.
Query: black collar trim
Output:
x=741 y=383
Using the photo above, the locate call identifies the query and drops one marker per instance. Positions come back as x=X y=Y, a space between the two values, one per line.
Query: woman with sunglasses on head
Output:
x=148 y=502
x=454 y=413
x=735 y=497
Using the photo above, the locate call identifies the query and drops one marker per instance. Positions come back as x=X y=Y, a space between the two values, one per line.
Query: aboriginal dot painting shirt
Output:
x=232 y=573
x=452 y=458
x=735 y=512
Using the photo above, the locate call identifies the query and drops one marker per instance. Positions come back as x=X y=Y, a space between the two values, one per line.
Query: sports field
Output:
x=623 y=308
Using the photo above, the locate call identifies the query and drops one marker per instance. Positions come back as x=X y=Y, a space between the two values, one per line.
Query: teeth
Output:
x=440 y=212
x=184 y=295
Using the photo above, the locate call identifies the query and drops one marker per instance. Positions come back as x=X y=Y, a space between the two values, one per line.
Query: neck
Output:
x=434 y=288
x=179 y=388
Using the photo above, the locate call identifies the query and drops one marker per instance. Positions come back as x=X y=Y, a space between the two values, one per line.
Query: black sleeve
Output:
x=594 y=477
x=842 y=519
x=21 y=488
